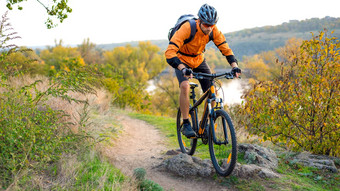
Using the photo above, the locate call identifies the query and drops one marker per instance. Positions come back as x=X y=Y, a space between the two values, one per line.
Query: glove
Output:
x=186 y=71
x=235 y=70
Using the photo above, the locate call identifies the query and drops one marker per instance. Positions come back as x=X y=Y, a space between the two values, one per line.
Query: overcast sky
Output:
x=114 y=21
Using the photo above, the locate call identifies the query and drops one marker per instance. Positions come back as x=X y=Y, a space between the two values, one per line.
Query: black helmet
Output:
x=208 y=14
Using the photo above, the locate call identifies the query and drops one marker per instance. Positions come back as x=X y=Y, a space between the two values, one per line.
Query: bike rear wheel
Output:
x=223 y=154
x=187 y=145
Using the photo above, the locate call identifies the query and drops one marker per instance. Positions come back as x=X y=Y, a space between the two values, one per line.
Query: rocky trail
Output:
x=141 y=145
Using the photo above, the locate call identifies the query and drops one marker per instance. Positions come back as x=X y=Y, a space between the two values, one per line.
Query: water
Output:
x=151 y=86
x=232 y=91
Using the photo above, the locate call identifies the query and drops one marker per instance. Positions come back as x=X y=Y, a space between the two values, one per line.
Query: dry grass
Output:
x=67 y=170
x=100 y=101
x=99 y=121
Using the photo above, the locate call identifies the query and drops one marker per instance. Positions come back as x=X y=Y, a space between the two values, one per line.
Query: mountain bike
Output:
x=215 y=127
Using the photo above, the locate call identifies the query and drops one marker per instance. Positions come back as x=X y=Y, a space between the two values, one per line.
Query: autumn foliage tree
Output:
x=61 y=58
x=165 y=97
x=301 y=107
x=89 y=52
x=264 y=66
x=127 y=71
x=257 y=68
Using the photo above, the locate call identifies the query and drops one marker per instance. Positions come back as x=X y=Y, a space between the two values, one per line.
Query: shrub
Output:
x=301 y=107
x=32 y=134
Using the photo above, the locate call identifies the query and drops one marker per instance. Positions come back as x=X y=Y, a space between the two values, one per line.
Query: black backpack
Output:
x=181 y=20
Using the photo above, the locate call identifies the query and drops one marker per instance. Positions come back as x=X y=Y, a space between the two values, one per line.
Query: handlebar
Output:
x=200 y=76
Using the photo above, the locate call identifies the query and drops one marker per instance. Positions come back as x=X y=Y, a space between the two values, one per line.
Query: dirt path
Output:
x=142 y=145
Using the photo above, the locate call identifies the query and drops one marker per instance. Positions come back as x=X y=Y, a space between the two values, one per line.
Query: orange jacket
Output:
x=195 y=47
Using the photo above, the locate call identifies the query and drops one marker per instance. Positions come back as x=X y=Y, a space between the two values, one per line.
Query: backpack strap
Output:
x=193 y=31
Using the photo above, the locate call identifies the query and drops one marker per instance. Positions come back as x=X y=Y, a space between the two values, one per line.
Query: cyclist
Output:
x=186 y=58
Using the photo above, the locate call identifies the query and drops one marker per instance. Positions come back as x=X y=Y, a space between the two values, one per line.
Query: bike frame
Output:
x=210 y=97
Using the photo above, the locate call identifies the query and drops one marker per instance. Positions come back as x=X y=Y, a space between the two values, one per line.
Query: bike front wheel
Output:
x=187 y=145
x=223 y=150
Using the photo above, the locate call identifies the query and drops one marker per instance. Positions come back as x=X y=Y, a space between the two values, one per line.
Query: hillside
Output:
x=252 y=41
x=255 y=40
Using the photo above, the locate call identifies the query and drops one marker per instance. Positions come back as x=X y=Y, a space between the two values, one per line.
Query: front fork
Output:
x=212 y=116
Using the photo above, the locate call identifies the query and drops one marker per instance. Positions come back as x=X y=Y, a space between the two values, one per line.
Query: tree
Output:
x=286 y=53
x=59 y=57
x=136 y=64
x=154 y=61
x=165 y=97
x=89 y=53
x=56 y=9
x=26 y=60
x=266 y=65
x=301 y=107
x=269 y=58
x=131 y=68
x=258 y=70
x=127 y=62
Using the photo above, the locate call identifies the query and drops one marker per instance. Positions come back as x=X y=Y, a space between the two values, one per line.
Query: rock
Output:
x=172 y=152
x=263 y=159
x=205 y=167
x=316 y=161
x=258 y=155
x=186 y=165
x=245 y=171
x=252 y=171
x=261 y=162
x=267 y=173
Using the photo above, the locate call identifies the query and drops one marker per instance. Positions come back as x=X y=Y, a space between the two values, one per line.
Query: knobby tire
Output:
x=223 y=156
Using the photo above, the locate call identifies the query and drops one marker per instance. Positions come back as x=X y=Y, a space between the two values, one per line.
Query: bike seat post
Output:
x=193 y=95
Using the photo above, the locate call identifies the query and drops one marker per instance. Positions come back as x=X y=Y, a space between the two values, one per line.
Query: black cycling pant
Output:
x=203 y=68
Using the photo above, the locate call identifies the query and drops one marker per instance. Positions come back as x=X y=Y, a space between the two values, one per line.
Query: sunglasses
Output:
x=207 y=25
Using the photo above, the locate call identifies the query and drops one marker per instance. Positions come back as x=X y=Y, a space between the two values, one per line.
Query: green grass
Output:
x=91 y=172
x=306 y=178
x=167 y=126
x=95 y=173
x=145 y=184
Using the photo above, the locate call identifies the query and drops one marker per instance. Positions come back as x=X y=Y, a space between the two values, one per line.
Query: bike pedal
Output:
x=193 y=137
